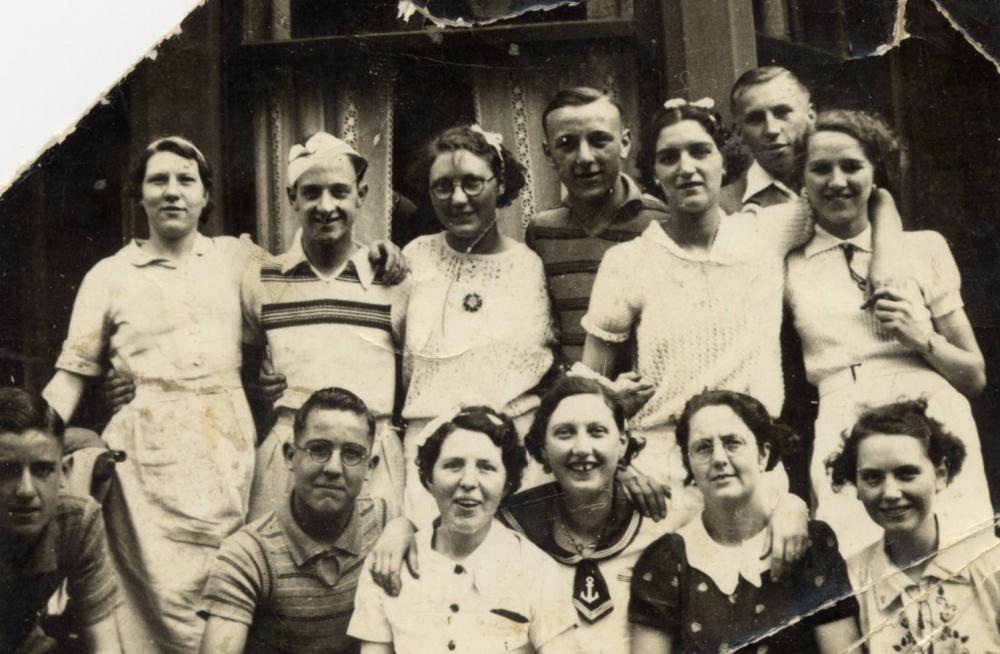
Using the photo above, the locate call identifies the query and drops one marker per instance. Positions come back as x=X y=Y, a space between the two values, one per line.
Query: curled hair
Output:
x=754 y=415
x=498 y=427
x=504 y=166
x=908 y=418
x=880 y=145
x=565 y=387
x=734 y=157
x=182 y=148
x=578 y=96
x=332 y=399
x=21 y=411
x=757 y=77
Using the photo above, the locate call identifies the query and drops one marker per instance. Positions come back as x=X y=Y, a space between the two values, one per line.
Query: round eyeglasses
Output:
x=471 y=186
x=702 y=451
x=322 y=451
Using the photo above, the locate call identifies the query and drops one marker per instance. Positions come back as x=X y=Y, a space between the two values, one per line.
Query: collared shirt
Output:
x=572 y=251
x=295 y=593
x=531 y=513
x=504 y=596
x=757 y=189
x=72 y=549
x=701 y=321
x=338 y=330
x=954 y=606
x=673 y=596
x=160 y=321
x=826 y=301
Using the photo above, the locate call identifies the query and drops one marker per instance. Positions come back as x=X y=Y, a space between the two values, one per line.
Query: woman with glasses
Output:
x=707 y=588
x=483 y=587
x=478 y=325
x=166 y=312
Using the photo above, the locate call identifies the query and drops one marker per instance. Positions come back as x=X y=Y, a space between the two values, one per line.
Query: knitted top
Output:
x=478 y=328
x=701 y=320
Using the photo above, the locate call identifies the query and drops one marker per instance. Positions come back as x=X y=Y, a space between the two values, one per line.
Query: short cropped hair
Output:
x=577 y=96
x=332 y=399
x=498 y=427
x=182 y=148
x=21 y=411
x=758 y=76
x=569 y=386
x=463 y=137
x=751 y=411
x=878 y=142
x=907 y=418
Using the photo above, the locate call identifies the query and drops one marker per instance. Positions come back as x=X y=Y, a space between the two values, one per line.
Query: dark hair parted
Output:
x=754 y=415
x=21 y=411
x=182 y=148
x=908 y=418
x=735 y=158
x=877 y=141
x=758 y=76
x=463 y=137
x=498 y=427
x=332 y=399
x=568 y=386
x=578 y=96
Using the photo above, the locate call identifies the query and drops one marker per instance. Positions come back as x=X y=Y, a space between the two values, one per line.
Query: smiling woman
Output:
x=482 y=588
x=478 y=323
x=166 y=313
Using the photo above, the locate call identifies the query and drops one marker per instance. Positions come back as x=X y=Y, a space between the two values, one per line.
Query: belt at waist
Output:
x=215 y=383
x=874 y=369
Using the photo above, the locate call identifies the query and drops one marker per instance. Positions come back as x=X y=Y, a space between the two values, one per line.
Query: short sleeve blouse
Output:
x=670 y=595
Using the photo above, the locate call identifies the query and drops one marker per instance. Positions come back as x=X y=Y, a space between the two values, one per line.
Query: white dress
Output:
x=175 y=330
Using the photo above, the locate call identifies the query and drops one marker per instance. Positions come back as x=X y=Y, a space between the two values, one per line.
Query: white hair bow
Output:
x=676 y=103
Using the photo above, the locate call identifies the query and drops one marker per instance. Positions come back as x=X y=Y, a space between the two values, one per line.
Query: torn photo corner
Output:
x=245 y=80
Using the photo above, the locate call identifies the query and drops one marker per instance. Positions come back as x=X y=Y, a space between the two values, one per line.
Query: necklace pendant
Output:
x=472 y=302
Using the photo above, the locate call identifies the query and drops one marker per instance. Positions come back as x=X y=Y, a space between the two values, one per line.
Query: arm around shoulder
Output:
x=223 y=636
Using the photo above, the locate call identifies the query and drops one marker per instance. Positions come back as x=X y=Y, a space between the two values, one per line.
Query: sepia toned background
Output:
x=245 y=79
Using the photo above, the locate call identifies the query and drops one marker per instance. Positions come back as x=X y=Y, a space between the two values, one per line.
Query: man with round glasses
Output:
x=286 y=582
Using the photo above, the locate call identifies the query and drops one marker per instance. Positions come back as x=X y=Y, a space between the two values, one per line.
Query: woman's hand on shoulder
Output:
x=394 y=546
x=631 y=391
x=788 y=535
x=646 y=494
x=387 y=256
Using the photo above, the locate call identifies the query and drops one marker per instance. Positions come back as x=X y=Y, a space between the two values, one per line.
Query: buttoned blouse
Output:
x=506 y=596
x=701 y=320
x=161 y=321
x=953 y=607
x=836 y=332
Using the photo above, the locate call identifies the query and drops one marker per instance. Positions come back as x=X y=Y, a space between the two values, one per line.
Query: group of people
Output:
x=566 y=444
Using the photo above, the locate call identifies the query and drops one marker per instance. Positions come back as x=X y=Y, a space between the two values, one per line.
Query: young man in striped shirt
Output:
x=326 y=316
x=47 y=537
x=286 y=582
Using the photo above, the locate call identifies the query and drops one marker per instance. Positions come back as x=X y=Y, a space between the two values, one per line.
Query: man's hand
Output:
x=646 y=494
x=116 y=391
x=387 y=256
x=269 y=387
x=631 y=392
x=788 y=535
x=395 y=545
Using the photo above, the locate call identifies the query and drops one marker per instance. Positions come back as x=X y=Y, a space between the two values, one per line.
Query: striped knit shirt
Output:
x=72 y=549
x=572 y=252
x=296 y=594
x=340 y=330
